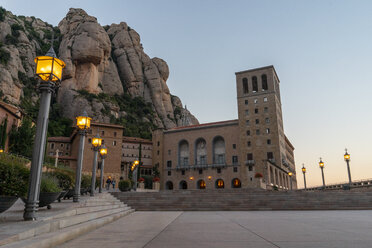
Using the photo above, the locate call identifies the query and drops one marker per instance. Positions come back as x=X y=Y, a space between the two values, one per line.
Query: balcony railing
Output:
x=250 y=162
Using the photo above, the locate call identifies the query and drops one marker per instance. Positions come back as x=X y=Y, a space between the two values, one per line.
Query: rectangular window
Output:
x=258 y=132
x=158 y=152
x=234 y=146
x=255 y=100
x=269 y=141
x=52 y=146
x=266 y=109
x=246 y=112
x=169 y=163
x=250 y=156
x=250 y=168
x=218 y=170
x=61 y=145
x=203 y=159
x=256 y=110
x=183 y=172
x=248 y=143
x=235 y=169
x=246 y=102
x=248 y=132
x=257 y=121
x=270 y=155
x=265 y=99
x=114 y=143
x=169 y=173
x=169 y=152
x=235 y=159
x=267 y=120
x=158 y=143
x=247 y=122
x=267 y=130
x=114 y=134
x=103 y=133
x=200 y=172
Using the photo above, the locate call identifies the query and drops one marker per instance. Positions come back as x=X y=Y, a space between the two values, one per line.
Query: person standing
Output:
x=108 y=182
x=113 y=183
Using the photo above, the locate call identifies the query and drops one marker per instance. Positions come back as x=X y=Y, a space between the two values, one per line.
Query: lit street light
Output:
x=304 y=172
x=96 y=143
x=290 y=174
x=103 y=154
x=347 y=159
x=321 y=165
x=49 y=70
x=83 y=124
x=134 y=169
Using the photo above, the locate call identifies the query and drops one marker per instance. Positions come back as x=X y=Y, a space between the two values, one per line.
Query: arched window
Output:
x=220 y=184
x=183 y=153
x=183 y=185
x=169 y=185
x=264 y=82
x=245 y=85
x=200 y=152
x=218 y=150
x=236 y=183
x=201 y=184
x=254 y=84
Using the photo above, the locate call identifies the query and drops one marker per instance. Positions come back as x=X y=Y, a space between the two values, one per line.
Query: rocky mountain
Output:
x=107 y=71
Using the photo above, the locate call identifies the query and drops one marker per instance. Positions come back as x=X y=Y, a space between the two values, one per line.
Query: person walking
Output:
x=113 y=183
x=108 y=182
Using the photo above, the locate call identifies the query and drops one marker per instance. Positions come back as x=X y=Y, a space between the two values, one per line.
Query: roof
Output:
x=60 y=139
x=257 y=69
x=136 y=140
x=16 y=112
x=106 y=125
x=204 y=125
x=288 y=142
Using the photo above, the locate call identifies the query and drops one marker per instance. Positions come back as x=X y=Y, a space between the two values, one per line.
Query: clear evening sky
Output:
x=322 y=52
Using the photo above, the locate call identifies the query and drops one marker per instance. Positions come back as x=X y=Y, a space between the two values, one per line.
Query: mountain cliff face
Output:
x=107 y=72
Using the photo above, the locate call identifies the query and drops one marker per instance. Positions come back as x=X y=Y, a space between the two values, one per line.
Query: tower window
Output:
x=169 y=173
x=268 y=141
x=250 y=156
x=246 y=102
x=183 y=172
x=235 y=159
x=270 y=155
x=254 y=84
x=235 y=169
x=200 y=172
x=256 y=110
x=267 y=130
x=257 y=121
x=267 y=120
x=234 y=146
x=258 y=132
x=265 y=99
x=247 y=122
x=255 y=100
x=245 y=85
x=264 y=82
x=169 y=163
x=248 y=132
x=248 y=143
x=266 y=109
x=218 y=170
x=246 y=112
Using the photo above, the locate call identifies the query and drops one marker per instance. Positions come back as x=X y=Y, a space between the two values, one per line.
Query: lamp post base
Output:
x=30 y=211
x=76 y=198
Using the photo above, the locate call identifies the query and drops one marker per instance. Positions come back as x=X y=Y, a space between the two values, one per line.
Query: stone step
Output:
x=52 y=239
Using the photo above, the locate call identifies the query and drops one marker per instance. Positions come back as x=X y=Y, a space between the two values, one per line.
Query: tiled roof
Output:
x=210 y=124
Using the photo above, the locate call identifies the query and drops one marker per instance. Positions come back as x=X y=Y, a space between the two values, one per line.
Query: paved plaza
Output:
x=234 y=229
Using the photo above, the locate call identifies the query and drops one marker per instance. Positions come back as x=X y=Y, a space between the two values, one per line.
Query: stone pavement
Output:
x=234 y=229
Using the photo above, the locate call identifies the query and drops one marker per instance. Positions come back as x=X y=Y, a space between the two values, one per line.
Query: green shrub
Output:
x=4 y=56
x=125 y=185
x=49 y=184
x=86 y=181
x=13 y=175
x=66 y=179
x=148 y=181
x=2 y=14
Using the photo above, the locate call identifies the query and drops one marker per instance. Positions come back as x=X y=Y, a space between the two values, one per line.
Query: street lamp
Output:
x=304 y=172
x=347 y=159
x=83 y=124
x=96 y=143
x=103 y=154
x=290 y=174
x=1 y=150
x=134 y=169
x=321 y=165
x=49 y=70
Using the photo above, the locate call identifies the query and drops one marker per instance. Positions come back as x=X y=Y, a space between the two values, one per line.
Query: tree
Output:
x=3 y=133
x=21 y=139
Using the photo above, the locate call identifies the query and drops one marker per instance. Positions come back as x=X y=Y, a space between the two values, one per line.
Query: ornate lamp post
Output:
x=1 y=150
x=134 y=169
x=49 y=70
x=83 y=123
x=304 y=172
x=321 y=165
x=290 y=174
x=96 y=143
x=347 y=159
x=103 y=154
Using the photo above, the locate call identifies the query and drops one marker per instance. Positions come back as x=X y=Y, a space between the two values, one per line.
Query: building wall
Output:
x=12 y=120
x=173 y=170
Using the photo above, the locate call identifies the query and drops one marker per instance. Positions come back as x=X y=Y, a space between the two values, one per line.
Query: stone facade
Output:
x=250 y=152
x=13 y=116
x=122 y=151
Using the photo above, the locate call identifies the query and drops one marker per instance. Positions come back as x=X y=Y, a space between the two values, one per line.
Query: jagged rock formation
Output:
x=102 y=64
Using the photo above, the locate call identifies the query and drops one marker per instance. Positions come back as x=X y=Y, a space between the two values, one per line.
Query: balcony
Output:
x=250 y=162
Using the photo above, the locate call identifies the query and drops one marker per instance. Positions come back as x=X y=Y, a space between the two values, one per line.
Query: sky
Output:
x=321 y=50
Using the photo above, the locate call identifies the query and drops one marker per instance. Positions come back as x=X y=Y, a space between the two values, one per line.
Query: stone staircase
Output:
x=51 y=231
x=245 y=199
